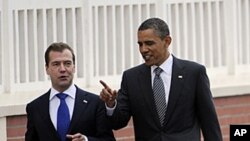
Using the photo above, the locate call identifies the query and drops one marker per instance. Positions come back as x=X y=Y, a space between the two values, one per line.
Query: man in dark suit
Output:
x=66 y=112
x=186 y=107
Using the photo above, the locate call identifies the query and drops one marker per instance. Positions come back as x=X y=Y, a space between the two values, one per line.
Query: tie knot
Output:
x=158 y=71
x=61 y=96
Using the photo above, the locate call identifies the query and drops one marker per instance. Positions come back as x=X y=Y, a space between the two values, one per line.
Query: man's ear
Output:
x=74 y=68
x=46 y=68
x=168 y=40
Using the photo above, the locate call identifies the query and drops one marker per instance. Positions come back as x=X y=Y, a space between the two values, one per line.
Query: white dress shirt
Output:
x=55 y=102
x=166 y=75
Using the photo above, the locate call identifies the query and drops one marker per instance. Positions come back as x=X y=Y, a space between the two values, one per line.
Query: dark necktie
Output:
x=159 y=95
x=63 y=118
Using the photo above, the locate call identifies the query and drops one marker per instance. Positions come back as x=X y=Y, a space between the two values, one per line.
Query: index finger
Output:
x=104 y=84
x=77 y=135
x=69 y=136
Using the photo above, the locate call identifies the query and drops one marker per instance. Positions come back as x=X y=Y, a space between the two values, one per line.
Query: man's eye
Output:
x=149 y=43
x=68 y=63
x=55 y=64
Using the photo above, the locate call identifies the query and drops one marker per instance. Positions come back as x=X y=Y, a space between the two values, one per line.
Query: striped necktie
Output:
x=159 y=95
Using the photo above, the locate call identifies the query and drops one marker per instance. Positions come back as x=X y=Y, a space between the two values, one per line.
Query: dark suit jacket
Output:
x=88 y=118
x=190 y=107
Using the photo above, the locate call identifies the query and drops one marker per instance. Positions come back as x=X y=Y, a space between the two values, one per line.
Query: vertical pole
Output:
x=231 y=35
x=3 y=129
x=7 y=47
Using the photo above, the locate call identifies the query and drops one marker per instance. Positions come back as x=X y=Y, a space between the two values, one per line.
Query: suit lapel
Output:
x=147 y=92
x=177 y=81
x=80 y=104
x=44 y=112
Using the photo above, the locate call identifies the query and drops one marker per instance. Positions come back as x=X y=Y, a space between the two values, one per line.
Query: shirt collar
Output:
x=71 y=91
x=166 y=66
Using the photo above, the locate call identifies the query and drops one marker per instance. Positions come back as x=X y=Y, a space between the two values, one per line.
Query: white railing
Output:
x=204 y=31
x=32 y=26
x=215 y=33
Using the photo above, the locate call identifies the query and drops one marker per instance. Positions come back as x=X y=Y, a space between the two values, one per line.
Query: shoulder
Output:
x=41 y=98
x=40 y=101
x=187 y=64
x=83 y=96
x=83 y=93
x=138 y=69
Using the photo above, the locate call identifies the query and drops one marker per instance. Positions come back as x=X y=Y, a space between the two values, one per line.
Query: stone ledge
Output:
x=14 y=104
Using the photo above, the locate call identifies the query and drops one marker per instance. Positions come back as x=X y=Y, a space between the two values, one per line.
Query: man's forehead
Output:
x=61 y=56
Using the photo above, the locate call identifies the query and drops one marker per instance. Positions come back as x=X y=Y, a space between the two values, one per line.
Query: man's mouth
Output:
x=63 y=77
x=146 y=57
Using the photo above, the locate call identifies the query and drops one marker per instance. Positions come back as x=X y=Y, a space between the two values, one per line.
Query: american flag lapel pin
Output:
x=180 y=76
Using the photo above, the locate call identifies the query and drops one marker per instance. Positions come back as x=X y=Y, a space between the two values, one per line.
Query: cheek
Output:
x=158 y=54
x=71 y=71
x=162 y=51
x=141 y=50
x=48 y=71
x=51 y=72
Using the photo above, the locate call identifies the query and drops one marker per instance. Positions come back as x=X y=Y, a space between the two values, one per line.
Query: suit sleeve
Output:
x=30 y=134
x=103 y=128
x=122 y=114
x=206 y=109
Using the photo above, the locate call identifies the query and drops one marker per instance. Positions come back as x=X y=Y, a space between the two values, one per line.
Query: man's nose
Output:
x=62 y=67
x=143 y=48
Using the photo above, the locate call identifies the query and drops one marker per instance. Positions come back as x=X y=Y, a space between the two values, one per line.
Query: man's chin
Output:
x=148 y=63
x=65 y=84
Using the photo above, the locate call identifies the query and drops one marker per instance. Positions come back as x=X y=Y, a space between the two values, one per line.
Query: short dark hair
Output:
x=59 y=47
x=158 y=25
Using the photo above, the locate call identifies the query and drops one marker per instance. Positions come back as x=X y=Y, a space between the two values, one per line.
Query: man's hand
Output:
x=107 y=95
x=76 y=137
